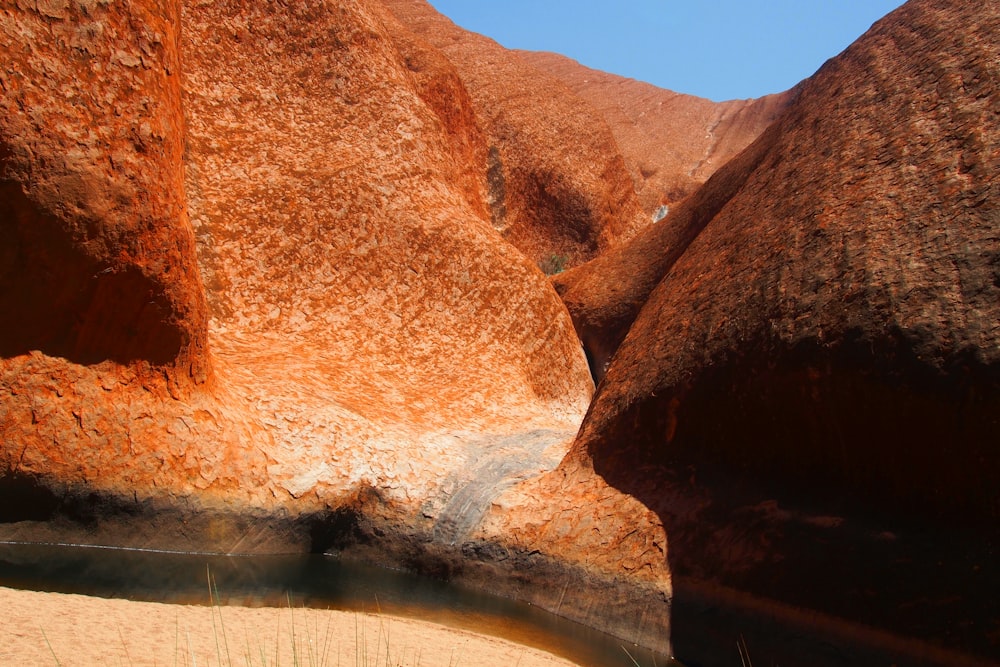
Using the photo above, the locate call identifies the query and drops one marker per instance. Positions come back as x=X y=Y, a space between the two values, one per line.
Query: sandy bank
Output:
x=53 y=628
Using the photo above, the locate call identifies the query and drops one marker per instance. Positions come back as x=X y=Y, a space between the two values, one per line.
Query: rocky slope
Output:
x=558 y=188
x=813 y=383
x=263 y=291
x=259 y=303
x=671 y=142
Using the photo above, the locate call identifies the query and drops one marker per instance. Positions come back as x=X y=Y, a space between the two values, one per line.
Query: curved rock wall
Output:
x=808 y=397
x=849 y=281
x=557 y=186
x=98 y=260
x=363 y=325
x=258 y=299
x=671 y=142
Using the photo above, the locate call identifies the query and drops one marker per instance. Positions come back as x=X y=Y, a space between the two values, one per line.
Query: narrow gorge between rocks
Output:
x=274 y=284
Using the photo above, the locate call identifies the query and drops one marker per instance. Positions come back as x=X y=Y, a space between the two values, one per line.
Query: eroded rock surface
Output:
x=850 y=279
x=814 y=381
x=262 y=293
x=605 y=295
x=557 y=187
x=98 y=258
x=280 y=293
x=671 y=142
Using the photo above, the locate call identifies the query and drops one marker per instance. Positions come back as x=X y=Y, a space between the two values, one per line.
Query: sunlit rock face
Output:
x=820 y=349
x=270 y=274
x=104 y=339
x=251 y=271
x=671 y=142
x=557 y=185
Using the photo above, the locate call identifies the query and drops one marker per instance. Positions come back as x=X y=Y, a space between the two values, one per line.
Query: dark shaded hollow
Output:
x=858 y=483
x=61 y=301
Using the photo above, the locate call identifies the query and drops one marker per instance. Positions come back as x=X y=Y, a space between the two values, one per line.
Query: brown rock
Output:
x=821 y=358
x=346 y=354
x=848 y=284
x=671 y=142
x=558 y=188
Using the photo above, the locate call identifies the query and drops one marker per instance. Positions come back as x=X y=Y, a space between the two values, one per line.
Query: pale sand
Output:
x=53 y=628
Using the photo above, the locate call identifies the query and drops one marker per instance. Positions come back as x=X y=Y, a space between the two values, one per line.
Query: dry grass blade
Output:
x=47 y=643
x=741 y=646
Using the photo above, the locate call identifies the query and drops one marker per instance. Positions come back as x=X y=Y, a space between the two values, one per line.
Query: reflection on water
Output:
x=307 y=580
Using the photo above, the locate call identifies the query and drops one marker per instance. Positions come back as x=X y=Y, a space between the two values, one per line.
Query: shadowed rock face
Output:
x=557 y=185
x=820 y=355
x=671 y=142
x=845 y=295
x=97 y=261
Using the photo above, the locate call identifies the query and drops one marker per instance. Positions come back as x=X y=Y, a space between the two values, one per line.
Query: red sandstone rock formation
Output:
x=557 y=184
x=258 y=302
x=857 y=245
x=822 y=333
x=339 y=340
x=671 y=142
x=365 y=327
x=98 y=259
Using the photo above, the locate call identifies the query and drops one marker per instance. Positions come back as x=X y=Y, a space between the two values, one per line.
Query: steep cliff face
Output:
x=671 y=142
x=336 y=237
x=98 y=259
x=342 y=319
x=823 y=349
x=558 y=188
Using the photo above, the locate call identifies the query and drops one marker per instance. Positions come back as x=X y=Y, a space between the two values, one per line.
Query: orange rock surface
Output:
x=557 y=186
x=671 y=142
x=270 y=278
x=98 y=259
x=251 y=270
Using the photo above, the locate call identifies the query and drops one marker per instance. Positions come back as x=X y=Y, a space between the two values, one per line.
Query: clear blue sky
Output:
x=719 y=49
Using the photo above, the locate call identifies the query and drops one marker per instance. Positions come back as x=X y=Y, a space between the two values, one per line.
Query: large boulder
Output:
x=259 y=305
x=845 y=294
x=809 y=398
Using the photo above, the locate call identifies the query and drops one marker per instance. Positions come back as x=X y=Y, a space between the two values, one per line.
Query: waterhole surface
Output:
x=316 y=581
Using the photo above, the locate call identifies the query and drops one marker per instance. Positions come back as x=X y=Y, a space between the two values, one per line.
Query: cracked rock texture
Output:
x=249 y=267
x=270 y=274
x=258 y=299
